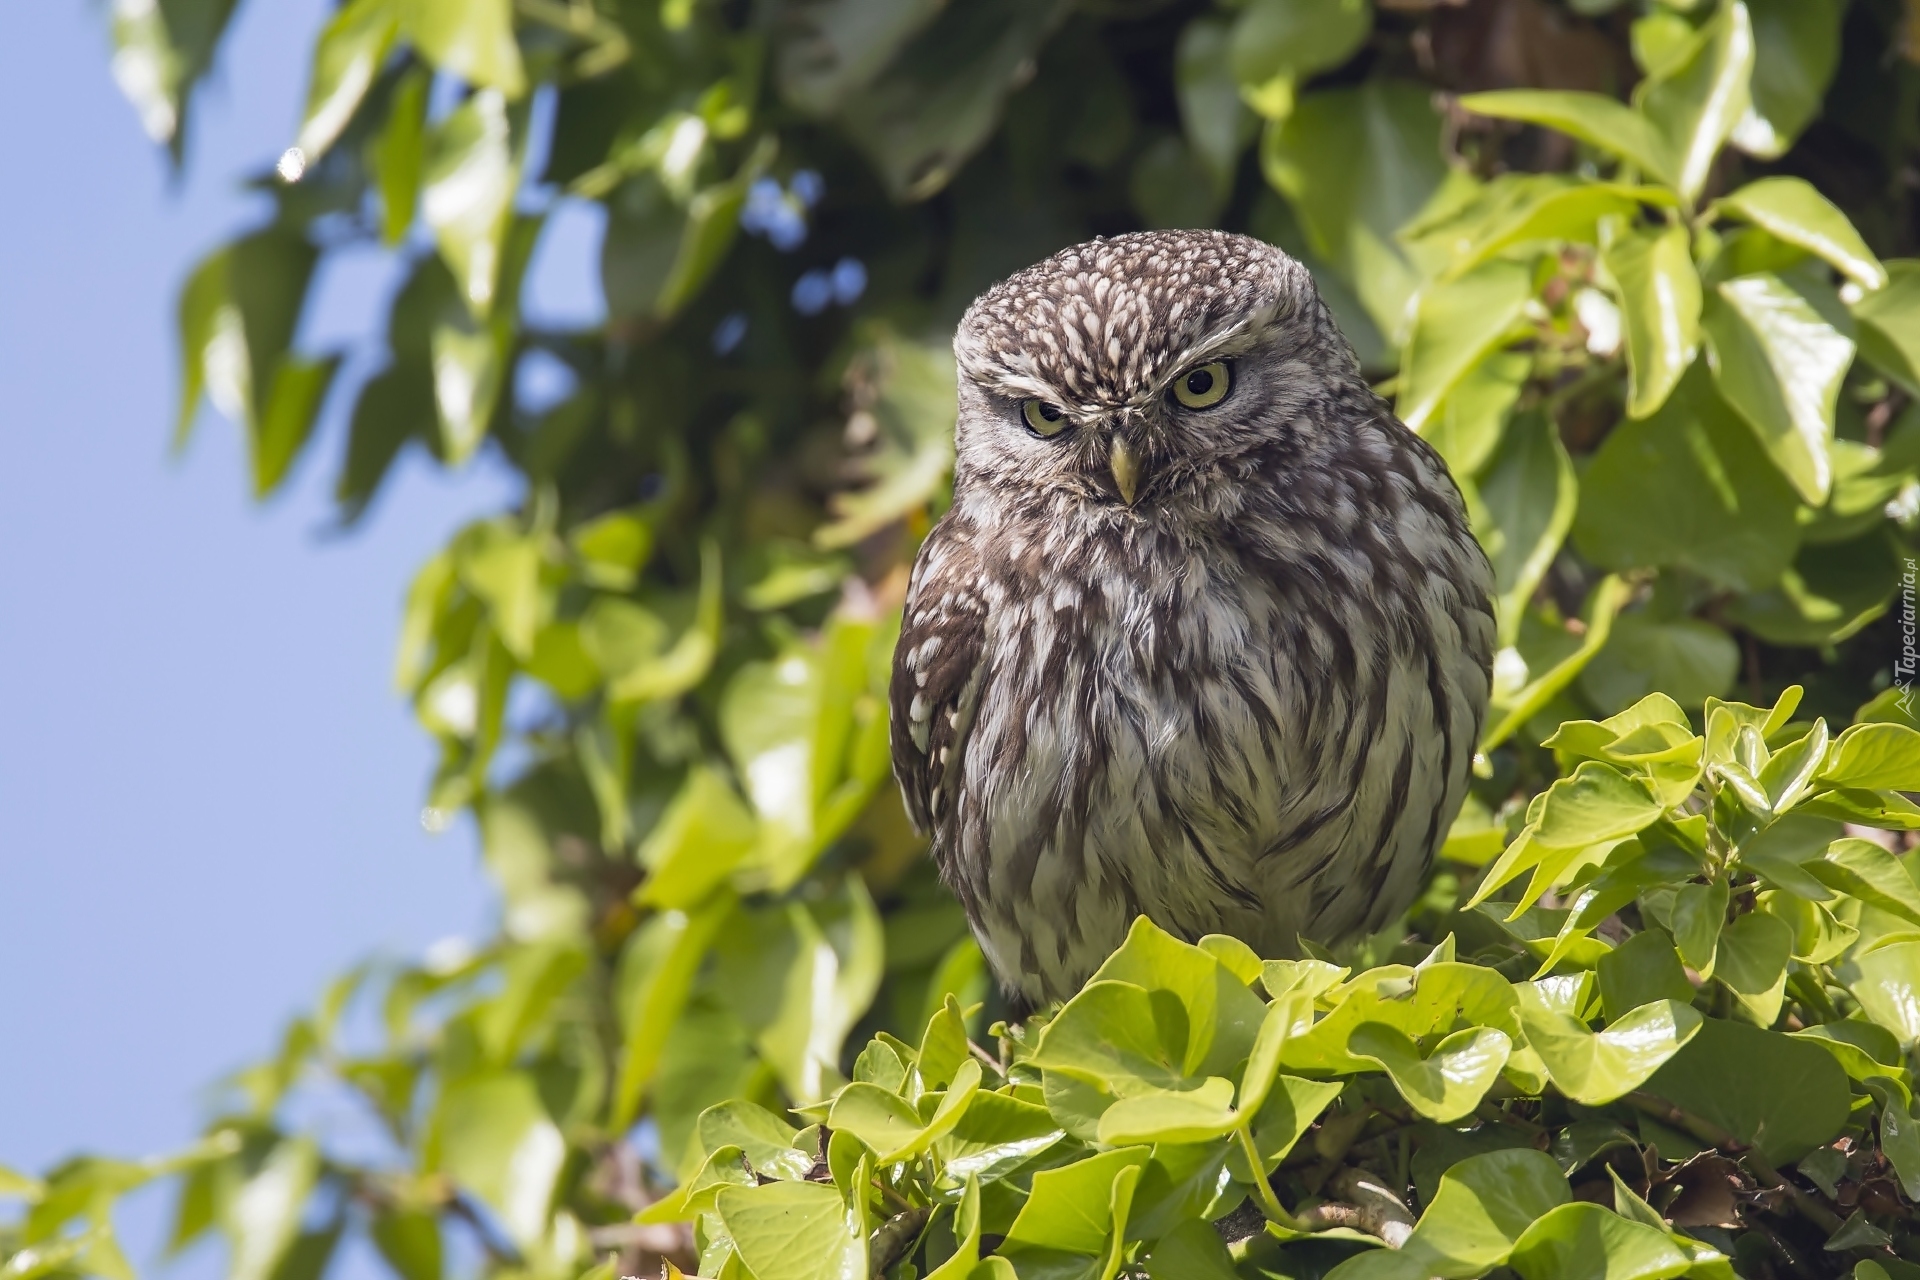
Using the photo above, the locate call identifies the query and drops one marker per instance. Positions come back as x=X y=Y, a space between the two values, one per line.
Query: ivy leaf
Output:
x=471 y=38
x=1889 y=324
x=1483 y=1206
x=1752 y=962
x=1779 y=363
x=1660 y=306
x=794 y=1230
x=1583 y=1241
x=1695 y=101
x=1874 y=757
x=346 y=58
x=1790 y=210
x=1456 y=325
x=1780 y=1093
x=470 y=176
x=1598 y=121
x=1796 y=50
x=1528 y=494
x=1444 y=1085
x=496 y=1139
x=1595 y=1068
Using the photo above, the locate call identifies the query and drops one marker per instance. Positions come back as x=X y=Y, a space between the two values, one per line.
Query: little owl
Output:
x=1204 y=636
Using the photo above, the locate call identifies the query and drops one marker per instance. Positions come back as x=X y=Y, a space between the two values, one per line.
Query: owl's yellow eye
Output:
x=1204 y=387
x=1042 y=418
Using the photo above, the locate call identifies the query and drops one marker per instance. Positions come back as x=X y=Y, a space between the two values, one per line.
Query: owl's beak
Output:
x=1126 y=469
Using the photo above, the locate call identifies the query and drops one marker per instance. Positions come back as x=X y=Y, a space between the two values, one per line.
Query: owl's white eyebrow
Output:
x=1237 y=338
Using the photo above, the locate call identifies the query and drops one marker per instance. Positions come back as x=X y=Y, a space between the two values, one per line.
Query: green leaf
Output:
x=1216 y=122
x=763 y=1138
x=878 y=1117
x=493 y=1137
x=1448 y=1083
x=1074 y=1209
x=1471 y=418
x=1223 y=1017
x=1582 y=1241
x=1752 y=962
x=1695 y=102
x=1643 y=969
x=704 y=834
x=471 y=38
x=940 y=97
x=346 y=58
x=1781 y=851
x=1296 y=38
x=1528 y=494
x=1164 y=1115
x=1868 y=872
x=399 y=155
x=1796 y=49
x=469 y=178
x=1117 y=1036
x=1889 y=324
x=1596 y=1068
x=1456 y=324
x=160 y=51
x=1685 y=657
x=1546 y=657
x=1484 y=1205
x=911 y=389
x=1357 y=164
x=1886 y=982
x=409 y=1241
x=1778 y=362
x=656 y=973
x=1699 y=913
x=263 y=1216
x=1193 y=1251
x=794 y=1231
x=1660 y=306
x=1782 y=1094
x=1827 y=594
x=1598 y=121
x=1789 y=209
x=996 y=1135
x=1874 y=757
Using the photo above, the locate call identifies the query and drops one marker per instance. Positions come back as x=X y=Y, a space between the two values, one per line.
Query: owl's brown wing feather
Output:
x=936 y=676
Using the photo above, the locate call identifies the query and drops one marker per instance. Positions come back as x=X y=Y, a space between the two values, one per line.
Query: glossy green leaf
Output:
x=1444 y=1085
x=1583 y=1241
x=1295 y=38
x=1164 y=1115
x=1694 y=102
x=1356 y=164
x=467 y=187
x=1484 y=1205
x=705 y=832
x=655 y=976
x=1643 y=969
x=1216 y=122
x=1456 y=324
x=1222 y=1016
x=1071 y=1208
x=1862 y=869
x=495 y=1139
x=263 y=1217
x=794 y=1231
x=1598 y=121
x=1467 y=426
x=1528 y=493
x=1874 y=757
x=1686 y=657
x=1597 y=1067
x=471 y=38
x=409 y=1242
x=1796 y=50
x=1779 y=363
x=1886 y=982
x=1752 y=962
x=399 y=156
x=1660 y=308
x=1778 y=1092
x=1789 y=209
x=1889 y=324
x=763 y=1138
x=346 y=58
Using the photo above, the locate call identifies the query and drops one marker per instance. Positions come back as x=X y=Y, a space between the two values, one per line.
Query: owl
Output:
x=1204 y=636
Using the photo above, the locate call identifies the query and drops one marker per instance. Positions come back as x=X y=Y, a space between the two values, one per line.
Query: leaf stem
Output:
x=1262 y=1189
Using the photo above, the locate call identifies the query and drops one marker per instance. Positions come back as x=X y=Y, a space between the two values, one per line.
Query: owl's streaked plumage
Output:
x=1241 y=698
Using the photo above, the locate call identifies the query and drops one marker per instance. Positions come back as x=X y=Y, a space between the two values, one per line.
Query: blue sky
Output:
x=209 y=792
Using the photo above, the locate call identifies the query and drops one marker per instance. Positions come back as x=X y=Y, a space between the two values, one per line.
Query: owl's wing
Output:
x=936 y=676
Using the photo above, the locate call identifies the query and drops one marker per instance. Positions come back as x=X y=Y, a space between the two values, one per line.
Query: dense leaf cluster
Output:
x=1642 y=270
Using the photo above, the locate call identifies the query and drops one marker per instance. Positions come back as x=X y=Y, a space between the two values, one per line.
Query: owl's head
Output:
x=1126 y=371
